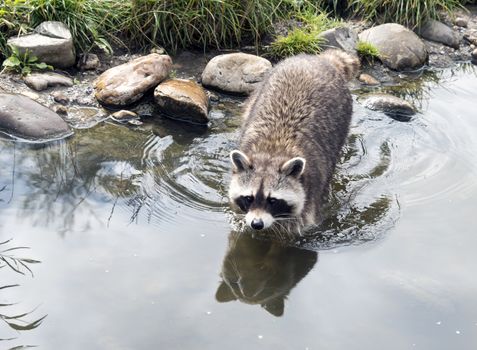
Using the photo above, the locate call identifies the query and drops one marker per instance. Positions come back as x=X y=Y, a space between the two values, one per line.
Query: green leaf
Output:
x=32 y=59
x=11 y=61
x=41 y=65
x=26 y=70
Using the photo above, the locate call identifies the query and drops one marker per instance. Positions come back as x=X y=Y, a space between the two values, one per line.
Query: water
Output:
x=138 y=249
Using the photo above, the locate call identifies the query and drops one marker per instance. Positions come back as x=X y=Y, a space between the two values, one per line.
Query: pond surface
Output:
x=138 y=248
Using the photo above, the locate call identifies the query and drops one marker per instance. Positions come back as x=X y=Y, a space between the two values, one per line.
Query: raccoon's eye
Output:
x=271 y=200
x=248 y=199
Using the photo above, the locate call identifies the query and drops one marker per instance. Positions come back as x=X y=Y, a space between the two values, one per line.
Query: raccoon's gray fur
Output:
x=295 y=124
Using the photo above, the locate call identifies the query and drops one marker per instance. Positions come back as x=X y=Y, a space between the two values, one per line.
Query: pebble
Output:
x=474 y=54
x=60 y=109
x=368 y=79
x=461 y=22
x=60 y=97
x=123 y=116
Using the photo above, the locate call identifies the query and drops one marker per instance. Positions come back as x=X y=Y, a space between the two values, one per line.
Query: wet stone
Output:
x=42 y=81
x=128 y=82
x=235 y=72
x=124 y=116
x=183 y=99
x=390 y=105
x=25 y=118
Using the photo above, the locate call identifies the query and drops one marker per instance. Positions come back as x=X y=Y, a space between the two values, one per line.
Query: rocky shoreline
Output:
x=131 y=88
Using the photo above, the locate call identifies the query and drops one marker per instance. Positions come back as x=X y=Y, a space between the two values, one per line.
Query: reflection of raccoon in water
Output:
x=262 y=272
x=295 y=125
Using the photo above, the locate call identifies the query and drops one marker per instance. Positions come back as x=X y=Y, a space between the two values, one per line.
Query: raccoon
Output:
x=294 y=126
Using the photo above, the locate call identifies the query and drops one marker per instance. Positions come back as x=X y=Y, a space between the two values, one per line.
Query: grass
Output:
x=304 y=39
x=410 y=13
x=367 y=51
x=142 y=24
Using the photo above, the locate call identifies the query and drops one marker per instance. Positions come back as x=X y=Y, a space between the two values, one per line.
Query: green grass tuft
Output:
x=410 y=13
x=367 y=50
x=305 y=39
x=297 y=41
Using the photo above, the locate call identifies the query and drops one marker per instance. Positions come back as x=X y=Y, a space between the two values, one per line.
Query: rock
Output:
x=53 y=29
x=88 y=61
x=461 y=22
x=399 y=48
x=60 y=109
x=127 y=83
x=439 y=32
x=124 y=116
x=471 y=39
x=391 y=105
x=41 y=81
x=53 y=46
x=30 y=94
x=183 y=99
x=368 y=79
x=474 y=56
x=25 y=118
x=60 y=97
x=343 y=38
x=135 y=122
x=235 y=72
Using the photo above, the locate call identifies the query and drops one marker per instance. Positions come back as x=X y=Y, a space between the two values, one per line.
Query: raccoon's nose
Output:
x=257 y=224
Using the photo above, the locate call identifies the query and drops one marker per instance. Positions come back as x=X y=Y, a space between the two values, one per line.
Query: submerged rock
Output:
x=399 y=48
x=41 y=81
x=25 y=118
x=235 y=72
x=343 y=38
x=183 y=99
x=52 y=43
x=437 y=31
x=391 y=105
x=127 y=83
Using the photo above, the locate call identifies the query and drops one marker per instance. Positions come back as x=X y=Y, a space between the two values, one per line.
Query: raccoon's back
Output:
x=304 y=99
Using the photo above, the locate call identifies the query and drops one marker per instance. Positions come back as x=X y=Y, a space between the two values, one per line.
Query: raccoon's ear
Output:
x=240 y=161
x=294 y=167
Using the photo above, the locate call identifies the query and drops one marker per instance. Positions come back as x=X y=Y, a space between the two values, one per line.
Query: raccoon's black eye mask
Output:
x=274 y=206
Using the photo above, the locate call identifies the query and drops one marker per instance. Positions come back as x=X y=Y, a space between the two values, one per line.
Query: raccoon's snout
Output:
x=257 y=224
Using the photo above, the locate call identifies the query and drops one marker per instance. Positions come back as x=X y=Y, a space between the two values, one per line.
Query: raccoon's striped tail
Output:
x=346 y=63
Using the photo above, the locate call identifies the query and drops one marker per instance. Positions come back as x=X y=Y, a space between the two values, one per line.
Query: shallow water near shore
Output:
x=139 y=250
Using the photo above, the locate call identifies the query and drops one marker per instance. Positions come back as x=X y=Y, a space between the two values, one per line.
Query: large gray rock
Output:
x=41 y=81
x=24 y=118
x=235 y=72
x=343 y=38
x=399 y=48
x=183 y=99
x=439 y=32
x=128 y=82
x=51 y=43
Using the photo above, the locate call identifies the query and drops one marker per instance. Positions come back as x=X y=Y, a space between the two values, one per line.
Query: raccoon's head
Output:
x=267 y=188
